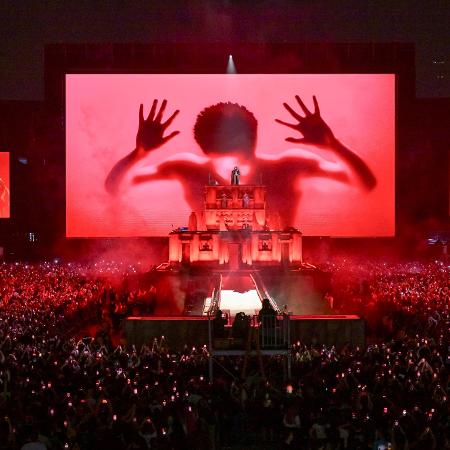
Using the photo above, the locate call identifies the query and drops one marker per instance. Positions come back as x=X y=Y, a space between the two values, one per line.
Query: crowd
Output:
x=66 y=381
x=395 y=299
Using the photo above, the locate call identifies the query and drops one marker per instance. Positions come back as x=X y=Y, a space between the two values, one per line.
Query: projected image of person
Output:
x=227 y=135
x=4 y=199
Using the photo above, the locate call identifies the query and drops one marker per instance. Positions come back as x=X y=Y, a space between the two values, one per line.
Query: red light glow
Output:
x=334 y=177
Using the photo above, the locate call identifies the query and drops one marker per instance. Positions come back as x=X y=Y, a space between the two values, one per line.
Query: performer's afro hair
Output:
x=226 y=128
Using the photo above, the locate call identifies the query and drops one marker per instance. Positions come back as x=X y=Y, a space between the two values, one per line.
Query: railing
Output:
x=269 y=332
x=262 y=291
x=215 y=297
x=274 y=332
x=219 y=205
x=271 y=337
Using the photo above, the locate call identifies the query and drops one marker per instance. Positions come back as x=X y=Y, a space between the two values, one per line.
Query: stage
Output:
x=193 y=290
x=178 y=331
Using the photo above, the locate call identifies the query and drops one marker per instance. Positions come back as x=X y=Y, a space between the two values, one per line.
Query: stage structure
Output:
x=235 y=230
x=231 y=256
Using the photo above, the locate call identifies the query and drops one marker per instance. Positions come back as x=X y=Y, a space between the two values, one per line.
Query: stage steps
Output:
x=235 y=293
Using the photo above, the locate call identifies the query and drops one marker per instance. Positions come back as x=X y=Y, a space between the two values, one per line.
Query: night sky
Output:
x=26 y=26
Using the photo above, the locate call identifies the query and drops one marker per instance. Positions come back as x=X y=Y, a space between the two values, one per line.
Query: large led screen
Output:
x=4 y=186
x=141 y=148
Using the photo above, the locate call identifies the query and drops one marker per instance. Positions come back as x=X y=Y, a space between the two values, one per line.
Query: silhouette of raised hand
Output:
x=151 y=131
x=150 y=136
x=311 y=125
x=315 y=131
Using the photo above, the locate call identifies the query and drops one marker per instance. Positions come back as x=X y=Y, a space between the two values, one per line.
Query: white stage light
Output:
x=247 y=302
x=231 y=68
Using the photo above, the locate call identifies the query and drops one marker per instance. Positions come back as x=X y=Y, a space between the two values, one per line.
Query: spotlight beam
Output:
x=231 y=68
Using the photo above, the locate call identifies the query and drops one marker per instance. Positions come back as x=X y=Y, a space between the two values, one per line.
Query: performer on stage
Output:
x=246 y=200
x=235 y=174
x=223 y=201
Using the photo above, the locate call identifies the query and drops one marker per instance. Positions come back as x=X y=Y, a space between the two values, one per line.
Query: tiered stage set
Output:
x=231 y=255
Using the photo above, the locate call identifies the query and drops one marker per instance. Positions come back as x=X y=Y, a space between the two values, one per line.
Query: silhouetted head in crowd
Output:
x=226 y=129
x=266 y=304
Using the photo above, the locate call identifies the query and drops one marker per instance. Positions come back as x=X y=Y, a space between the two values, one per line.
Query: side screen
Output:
x=323 y=145
x=5 y=209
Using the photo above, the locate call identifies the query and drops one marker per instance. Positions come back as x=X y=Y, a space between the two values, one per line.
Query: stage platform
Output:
x=335 y=330
x=187 y=291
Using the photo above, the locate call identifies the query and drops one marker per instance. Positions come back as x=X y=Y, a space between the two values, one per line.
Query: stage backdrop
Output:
x=4 y=186
x=337 y=181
